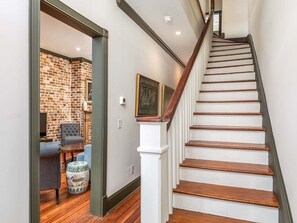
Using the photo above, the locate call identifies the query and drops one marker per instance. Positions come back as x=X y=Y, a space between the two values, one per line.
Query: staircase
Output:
x=225 y=176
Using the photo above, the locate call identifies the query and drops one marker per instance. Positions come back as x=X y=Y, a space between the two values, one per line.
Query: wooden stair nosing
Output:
x=221 y=61
x=227 y=145
x=221 y=91
x=241 y=48
x=229 y=73
x=231 y=101
x=246 y=168
x=239 y=44
x=229 y=113
x=185 y=216
x=233 y=194
x=225 y=82
x=231 y=66
x=219 y=41
x=226 y=55
x=228 y=128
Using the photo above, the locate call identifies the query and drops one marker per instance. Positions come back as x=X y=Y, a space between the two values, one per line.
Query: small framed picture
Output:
x=167 y=93
x=147 y=97
x=89 y=91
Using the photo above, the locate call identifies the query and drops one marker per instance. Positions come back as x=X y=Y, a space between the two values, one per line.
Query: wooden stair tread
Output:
x=221 y=61
x=242 y=195
x=220 y=91
x=228 y=128
x=227 y=145
x=228 y=166
x=230 y=66
x=184 y=216
x=238 y=44
x=229 y=113
x=226 y=82
x=241 y=48
x=231 y=101
x=228 y=73
x=225 y=55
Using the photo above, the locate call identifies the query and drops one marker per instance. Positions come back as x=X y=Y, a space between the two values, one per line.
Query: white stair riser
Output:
x=227 y=155
x=230 y=77
x=230 y=57
x=229 y=120
x=228 y=52
x=225 y=96
x=230 y=63
x=232 y=179
x=228 y=107
x=214 y=48
x=228 y=136
x=230 y=69
x=230 y=86
x=248 y=212
x=228 y=43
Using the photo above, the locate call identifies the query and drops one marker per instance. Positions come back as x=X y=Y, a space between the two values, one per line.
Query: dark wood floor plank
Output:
x=76 y=208
x=242 y=195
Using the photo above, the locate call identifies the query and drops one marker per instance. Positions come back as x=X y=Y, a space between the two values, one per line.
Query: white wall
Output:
x=218 y=5
x=192 y=12
x=14 y=114
x=274 y=29
x=235 y=18
x=130 y=51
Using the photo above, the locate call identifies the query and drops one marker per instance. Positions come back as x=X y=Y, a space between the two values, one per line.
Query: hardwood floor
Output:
x=76 y=208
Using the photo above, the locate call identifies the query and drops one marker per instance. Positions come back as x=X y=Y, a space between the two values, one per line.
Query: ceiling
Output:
x=63 y=39
x=153 y=12
x=60 y=38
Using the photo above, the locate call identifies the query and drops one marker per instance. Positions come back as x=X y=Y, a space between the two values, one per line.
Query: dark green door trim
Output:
x=143 y=25
x=285 y=214
x=99 y=126
x=100 y=77
x=34 y=57
x=67 y=15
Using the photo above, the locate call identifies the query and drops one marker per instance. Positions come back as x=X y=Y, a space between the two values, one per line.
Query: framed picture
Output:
x=89 y=91
x=147 y=97
x=167 y=93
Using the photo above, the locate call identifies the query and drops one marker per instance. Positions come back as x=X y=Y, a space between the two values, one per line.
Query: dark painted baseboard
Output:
x=285 y=215
x=122 y=194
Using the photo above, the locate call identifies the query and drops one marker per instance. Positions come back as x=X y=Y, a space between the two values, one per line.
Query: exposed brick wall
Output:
x=62 y=92
x=80 y=72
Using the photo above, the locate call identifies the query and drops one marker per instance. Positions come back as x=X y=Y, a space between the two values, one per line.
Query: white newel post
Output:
x=154 y=172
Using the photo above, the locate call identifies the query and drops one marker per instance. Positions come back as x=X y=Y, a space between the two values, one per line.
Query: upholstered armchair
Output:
x=86 y=156
x=50 y=167
x=70 y=134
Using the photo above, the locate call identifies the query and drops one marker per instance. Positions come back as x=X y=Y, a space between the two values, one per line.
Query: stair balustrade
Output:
x=162 y=139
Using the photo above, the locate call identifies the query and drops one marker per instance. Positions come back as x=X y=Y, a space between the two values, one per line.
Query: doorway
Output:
x=65 y=14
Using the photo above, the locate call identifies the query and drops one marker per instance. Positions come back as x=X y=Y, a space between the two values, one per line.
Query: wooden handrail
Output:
x=169 y=113
x=186 y=73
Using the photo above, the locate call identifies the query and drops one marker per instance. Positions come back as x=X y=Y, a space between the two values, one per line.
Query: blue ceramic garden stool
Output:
x=77 y=176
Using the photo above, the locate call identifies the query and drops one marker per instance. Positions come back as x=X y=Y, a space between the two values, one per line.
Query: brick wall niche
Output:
x=62 y=92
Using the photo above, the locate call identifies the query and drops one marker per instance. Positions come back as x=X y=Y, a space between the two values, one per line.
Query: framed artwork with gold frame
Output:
x=88 y=93
x=147 y=97
x=167 y=93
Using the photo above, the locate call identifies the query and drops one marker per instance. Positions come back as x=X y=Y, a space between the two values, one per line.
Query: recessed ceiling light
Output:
x=77 y=49
x=178 y=33
x=167 y=19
